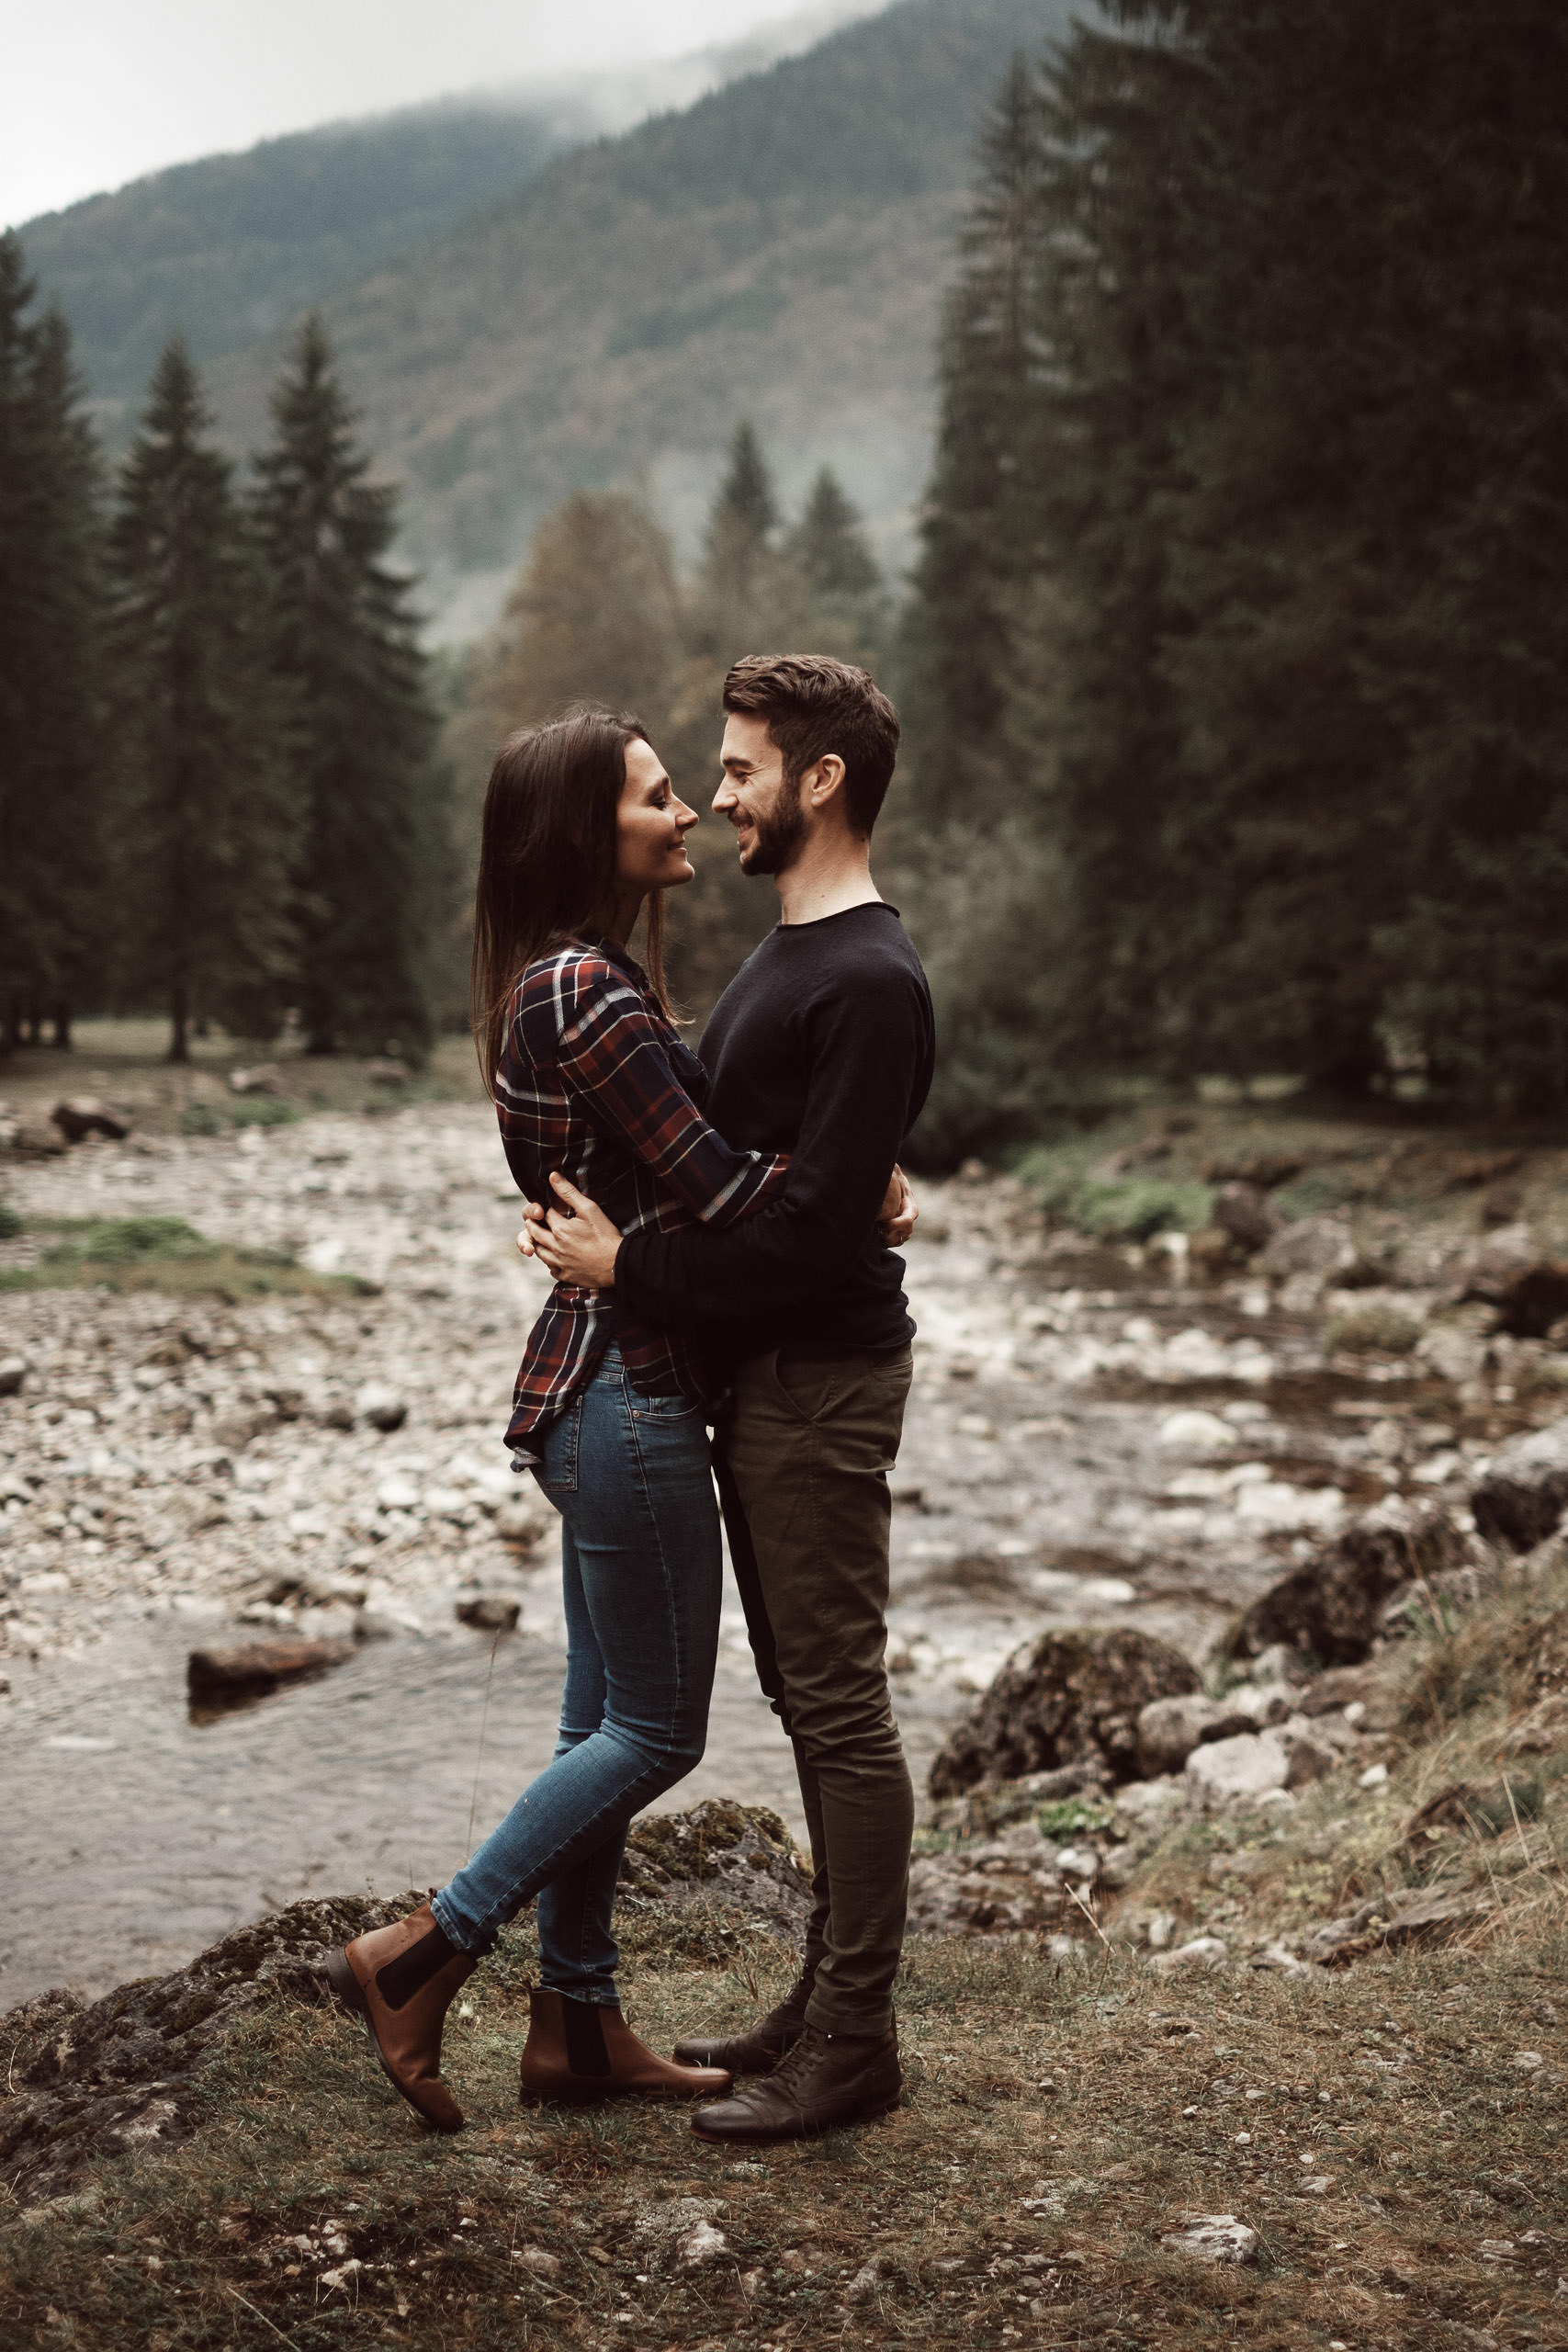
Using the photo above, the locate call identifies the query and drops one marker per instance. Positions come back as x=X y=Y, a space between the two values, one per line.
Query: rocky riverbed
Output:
x=1134 y=1435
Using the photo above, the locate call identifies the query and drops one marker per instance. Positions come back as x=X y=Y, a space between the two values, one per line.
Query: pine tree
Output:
x=204 y=814
x=980 y=530
x=373 y=873
x=842 y=577
x=745 y=498
x=51 y=947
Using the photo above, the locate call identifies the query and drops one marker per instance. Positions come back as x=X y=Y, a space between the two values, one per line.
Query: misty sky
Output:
x=97 y=92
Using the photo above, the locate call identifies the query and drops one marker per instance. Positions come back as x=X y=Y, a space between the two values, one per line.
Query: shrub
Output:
x=263 y=1111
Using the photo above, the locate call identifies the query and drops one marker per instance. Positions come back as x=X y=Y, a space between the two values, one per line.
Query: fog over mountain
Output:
x=522 y=306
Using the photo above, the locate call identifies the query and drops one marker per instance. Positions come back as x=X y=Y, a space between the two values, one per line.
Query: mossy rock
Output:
x=1072 y=1698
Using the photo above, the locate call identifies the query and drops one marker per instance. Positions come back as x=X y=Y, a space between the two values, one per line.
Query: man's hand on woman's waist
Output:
x=582 y=1248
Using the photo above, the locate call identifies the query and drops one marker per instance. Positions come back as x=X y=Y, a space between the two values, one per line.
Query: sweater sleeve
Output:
x=863 y=1049
x=612 y=1057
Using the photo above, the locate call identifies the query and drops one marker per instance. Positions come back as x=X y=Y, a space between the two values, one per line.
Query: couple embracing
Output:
x=718 y=1233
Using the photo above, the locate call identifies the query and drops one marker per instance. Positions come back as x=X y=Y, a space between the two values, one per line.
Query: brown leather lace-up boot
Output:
x=402 y=1980
x=756 y=2050
x=583 y=2049
x=827 y=2079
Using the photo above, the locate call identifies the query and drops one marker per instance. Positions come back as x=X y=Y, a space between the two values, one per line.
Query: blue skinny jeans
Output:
x=642 y=1569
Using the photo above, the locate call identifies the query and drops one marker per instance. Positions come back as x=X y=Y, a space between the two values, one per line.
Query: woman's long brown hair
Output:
x=547 y=862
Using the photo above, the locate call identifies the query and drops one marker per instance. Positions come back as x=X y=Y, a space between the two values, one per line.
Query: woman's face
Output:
x=651 y=826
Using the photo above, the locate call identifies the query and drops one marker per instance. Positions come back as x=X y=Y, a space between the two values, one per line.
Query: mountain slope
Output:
x=778 y=248
x=230 y=248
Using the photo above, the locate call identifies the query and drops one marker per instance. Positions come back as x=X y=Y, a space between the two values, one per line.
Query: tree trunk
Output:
x=62 y=1028
x=179 y=1015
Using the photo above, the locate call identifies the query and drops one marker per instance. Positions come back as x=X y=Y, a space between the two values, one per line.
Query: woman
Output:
x=581 y=830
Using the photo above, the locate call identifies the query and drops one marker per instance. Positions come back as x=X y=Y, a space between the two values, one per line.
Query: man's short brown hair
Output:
x=812 y=706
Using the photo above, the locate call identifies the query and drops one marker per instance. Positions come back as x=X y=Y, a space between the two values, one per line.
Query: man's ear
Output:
x=824 y=781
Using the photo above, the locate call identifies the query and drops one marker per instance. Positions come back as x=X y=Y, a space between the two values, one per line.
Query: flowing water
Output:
x=1089 y=1440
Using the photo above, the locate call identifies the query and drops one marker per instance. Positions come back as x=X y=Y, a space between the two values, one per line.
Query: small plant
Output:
x=1377 y=1329
x=263 y=1111
x=1072 y=1817
x=202 y=1119
x=10 y=1222
x=1128 y=1209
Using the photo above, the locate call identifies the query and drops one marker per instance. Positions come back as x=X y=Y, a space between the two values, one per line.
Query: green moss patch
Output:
x=164 y=1253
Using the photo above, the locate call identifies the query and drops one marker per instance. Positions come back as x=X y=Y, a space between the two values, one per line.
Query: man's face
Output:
x=770 y=824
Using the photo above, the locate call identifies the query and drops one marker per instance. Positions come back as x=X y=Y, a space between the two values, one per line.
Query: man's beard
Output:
x=777 y=837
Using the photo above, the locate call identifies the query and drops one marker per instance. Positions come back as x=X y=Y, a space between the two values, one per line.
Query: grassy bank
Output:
x=155 y=1254
x=1376 y=2130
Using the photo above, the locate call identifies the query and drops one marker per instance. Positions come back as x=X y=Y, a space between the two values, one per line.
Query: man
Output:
x=821 y=1046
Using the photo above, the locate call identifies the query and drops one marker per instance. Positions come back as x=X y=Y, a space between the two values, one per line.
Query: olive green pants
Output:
x=803 y=1448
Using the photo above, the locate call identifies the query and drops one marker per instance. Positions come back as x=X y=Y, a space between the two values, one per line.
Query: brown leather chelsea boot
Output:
x=582 y=2051
x=825 y=2081
x=758 y=2049
x=402 y=1980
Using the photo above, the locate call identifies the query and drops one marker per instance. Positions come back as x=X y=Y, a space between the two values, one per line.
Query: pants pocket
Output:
x=665 y=1409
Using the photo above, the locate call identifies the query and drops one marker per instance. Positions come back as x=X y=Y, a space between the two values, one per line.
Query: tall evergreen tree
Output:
x=980 y=530
x=204 y=813
x=374 y=875
x=746 y=497
x=50 y=612
x=842 y=577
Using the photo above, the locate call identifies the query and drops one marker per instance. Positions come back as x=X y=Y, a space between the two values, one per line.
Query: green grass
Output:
x=164 y=1253
x=245 y=1111
x=1130 y=1208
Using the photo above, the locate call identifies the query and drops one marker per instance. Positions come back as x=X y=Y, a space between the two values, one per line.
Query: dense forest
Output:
x=220 y=792
x=1234 y=665
x=1231 y=665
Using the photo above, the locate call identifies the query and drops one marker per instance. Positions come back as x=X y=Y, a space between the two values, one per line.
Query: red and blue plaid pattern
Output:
x=596 y=1083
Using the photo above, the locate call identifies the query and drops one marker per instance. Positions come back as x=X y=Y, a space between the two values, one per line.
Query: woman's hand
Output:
x=897 y=1221
x=578 y=1250
x=528 y=1232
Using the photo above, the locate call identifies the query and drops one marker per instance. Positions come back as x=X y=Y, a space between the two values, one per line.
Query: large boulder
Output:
x=1071 y=1698
x=1522 y=1498
x=1331 y=1606
x=737 y=1864
x=123 y=2076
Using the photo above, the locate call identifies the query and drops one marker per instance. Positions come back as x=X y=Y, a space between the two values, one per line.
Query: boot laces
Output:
x=797 y=2062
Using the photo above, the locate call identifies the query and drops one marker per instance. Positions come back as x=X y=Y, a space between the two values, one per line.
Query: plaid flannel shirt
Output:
x=595 y=1081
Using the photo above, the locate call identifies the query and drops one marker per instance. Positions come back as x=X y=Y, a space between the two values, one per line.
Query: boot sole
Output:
x=351 y=1993
x=595 y=2095
x=806 y=2131
x=684 y=2054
